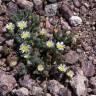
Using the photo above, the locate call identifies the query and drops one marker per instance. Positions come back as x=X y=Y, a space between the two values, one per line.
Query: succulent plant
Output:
x=38 y=47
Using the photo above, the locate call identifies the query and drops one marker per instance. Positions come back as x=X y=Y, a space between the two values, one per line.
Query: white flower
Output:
x=22 y=24
x=25 y=35
x=50 y=43
x=24 y=48
x=60 y=45
x=62 y=68
x=10 y=26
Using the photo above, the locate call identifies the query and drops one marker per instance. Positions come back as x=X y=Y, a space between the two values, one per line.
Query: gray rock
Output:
x=88 y=68
x=12 y=8
x=75 y=21
x=37 y=2
x=0 y=55
x=48 y=94
x=65 y=25
x=36 y=91
x=1 y=48
x=71 y=57
x=94 y=91
x=7 y=83
x=1 y=26
x=54 y=87
x=0 y=2
x=94 y=61
x=27 y=82
x=44 y=84
x=2 y=9
x=86 y=5
x=78 y=83
x=38 y=5
x=79 y=50
x=3 y=62
x=93 y=81
x=53 y=21
x=52 y=1
x=51 y=9
x=92 y=95
x=76 y=3
x=21 y=92
x=2 y=39
x=66 y=11
x=10 y=42
x=83 y=10
x=64 y=92
x=25 y=4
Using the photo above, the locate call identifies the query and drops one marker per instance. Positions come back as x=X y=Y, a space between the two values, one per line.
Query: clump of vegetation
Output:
x=39 y=48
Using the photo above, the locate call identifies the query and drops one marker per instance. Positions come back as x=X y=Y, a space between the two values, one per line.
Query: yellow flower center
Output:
x=49 y=44
x=40 y=67
x=25 y=35
x=10 y=26
x=60 y=46
x=22 y=24
x=25 y=48
x=62 y=68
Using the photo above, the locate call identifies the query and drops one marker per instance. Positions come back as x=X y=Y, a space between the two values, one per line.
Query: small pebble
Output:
x=75 y=21
x=79 y=50
x=76 y=3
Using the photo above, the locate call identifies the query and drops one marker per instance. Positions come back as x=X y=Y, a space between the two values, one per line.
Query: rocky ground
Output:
x=77 y=16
